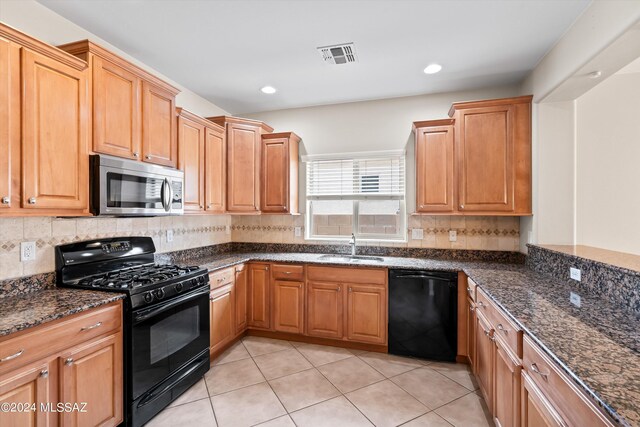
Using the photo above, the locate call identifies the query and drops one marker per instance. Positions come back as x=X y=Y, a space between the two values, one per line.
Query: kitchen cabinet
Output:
x=366 y=313
x=9 y=125
x=288 y=306
x=215 y=169
x=240 y=272
x=536 y=409
x=484 y=357
x=31 y=385
x=279 y=184
x=259 y=306
x=244 y=143
x=191 y=159
x=92 y=373
x=435 y=164
x=133 y=110
x=223 y=320
x=471 y=333
x=70 y=360
x=325 y=309
x=506 y=391
x=493 y=148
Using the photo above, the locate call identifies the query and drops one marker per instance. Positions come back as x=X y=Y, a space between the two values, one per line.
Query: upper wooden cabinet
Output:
x=434 y=166
x=44 y=128
x=133 y=111
x=215 y=169
x=191 y=159
x=478 y=162
x=279 y=173
x=244 y=141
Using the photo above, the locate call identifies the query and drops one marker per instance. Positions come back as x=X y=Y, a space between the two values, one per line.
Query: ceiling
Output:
x=226 y=50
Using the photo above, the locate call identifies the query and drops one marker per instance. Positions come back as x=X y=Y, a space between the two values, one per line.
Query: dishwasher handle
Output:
x=420 y=276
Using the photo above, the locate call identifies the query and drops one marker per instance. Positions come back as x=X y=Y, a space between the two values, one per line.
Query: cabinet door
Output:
x=325 y=309
x=259 y=296
x=9 y=125
x=223 y=324
x=158 y=126
x=471 y=333
x=367 y=313
x=117 y=109
x=243 y=163
x=215 y=170
x=536 y=409
x=191 y=137
x=30 y=385
x=485 y=150
x=55 y=160
x=484 y=358
x=275 y=175
x=288 y=306
x=434 y=169
x=506 y=389
x=241 y=297
x=92 y=373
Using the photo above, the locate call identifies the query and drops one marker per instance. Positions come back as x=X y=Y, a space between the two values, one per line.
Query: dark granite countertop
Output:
x=32 y=309
x=597 y=345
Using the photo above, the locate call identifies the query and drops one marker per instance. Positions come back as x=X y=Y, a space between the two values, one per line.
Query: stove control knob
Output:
x=148 y=297
x=159 y=293
x=201 y=279
x=194 y=283
x=179 y=287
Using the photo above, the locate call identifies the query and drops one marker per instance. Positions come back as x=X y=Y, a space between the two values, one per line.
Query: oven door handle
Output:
x=161 y=389
x=141 y=316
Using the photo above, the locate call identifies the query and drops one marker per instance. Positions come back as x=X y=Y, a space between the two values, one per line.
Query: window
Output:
x=363 y=195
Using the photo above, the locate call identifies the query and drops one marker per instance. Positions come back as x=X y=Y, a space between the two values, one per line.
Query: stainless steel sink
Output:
x=352 y=258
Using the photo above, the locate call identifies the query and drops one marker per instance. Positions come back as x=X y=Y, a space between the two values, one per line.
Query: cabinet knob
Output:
x=201 y=207
x=300 y=286
x=147 y=157
x=266 y=268
x=136 y=154
x=471 y=308
x=339 y=288
x=350 y=289
x=68 y=361
x=6 y=200
x=208 y=206
x=44 y=373
x=461 y=206
x=32 y=200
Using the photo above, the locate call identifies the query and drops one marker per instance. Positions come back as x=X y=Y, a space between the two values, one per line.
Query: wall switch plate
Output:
x=27 y=251
x=297 y=231
x=453 y=235
x=575 y=299
x=169 y=235
x=575 y=273
x=417 y=234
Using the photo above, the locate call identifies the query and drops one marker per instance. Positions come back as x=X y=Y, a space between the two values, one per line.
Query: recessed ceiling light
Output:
x=595 y=74
x=432 y=68
x=268 y=90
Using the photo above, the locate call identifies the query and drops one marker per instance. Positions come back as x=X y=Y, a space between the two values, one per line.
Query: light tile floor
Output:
x=266 y=382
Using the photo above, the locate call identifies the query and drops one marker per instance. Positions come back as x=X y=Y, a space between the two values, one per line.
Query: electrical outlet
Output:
x=27 y=251
x=453 y=235
x=417 y=234
x=297 y=231
x=575 y=299
x=575 y=274
x=169 y=235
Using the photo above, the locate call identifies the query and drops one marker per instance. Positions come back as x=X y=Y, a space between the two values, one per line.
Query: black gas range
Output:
x=166 y=316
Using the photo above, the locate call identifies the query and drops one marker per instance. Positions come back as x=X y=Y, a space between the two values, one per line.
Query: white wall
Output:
x=608 y=165
x=36 y=20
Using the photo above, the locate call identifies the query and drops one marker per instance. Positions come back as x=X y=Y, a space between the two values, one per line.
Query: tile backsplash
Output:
x=188 y=232
x=487 y=233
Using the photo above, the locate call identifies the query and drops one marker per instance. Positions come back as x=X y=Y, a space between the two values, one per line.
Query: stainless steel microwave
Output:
x=122 y=187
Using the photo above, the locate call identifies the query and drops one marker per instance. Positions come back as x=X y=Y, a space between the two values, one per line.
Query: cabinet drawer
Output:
x=571 y=403
x=506 y=329
x=221 y=277
x=48 y=339
x=483 y=305
x=287 y=272
x=471 y=289
x=372 y=276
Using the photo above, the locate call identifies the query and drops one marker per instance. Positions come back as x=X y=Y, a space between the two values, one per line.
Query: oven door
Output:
x=167 y=335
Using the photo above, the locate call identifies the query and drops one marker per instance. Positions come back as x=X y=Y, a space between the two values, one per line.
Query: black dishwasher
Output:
x=423 y=310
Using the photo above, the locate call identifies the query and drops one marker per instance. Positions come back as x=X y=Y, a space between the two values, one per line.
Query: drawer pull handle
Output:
x=502 y=329
x=88 y=328
x=13 y=356
x=479 y=304
x=44 y=373
x=286 y=272
x=68 y=361
x=535 y=369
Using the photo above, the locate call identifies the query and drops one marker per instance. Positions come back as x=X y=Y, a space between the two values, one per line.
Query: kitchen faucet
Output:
x=352 y=242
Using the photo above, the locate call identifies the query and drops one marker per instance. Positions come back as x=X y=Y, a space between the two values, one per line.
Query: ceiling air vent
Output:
x=344 y=53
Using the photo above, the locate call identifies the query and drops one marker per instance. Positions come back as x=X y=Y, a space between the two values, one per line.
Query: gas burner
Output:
x=136 y=276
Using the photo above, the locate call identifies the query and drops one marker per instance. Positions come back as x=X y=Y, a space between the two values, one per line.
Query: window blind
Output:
x=379 y=176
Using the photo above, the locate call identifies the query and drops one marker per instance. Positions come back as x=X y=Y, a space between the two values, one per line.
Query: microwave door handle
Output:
x=166 y=194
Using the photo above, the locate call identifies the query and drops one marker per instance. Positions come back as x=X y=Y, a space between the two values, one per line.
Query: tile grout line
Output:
x=446 y=376
x=215 y=418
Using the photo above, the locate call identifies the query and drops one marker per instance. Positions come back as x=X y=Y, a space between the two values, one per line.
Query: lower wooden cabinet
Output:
x=484 y=357
x=222 y=314
x=325 y=309
x=367 y=313
x=259 y=306
x=288 y=306
x=536 y=409
x=92 y=373
x=506 y=388
x=471 y=332
x=241 y=288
